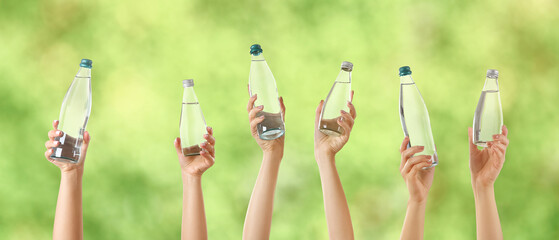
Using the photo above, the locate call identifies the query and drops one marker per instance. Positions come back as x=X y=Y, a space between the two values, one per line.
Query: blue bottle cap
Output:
x=86 y=63
x=255 y=49
x=405 y=70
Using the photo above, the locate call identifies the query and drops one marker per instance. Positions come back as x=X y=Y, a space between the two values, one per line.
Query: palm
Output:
x=422 y=183
x=330 y=143
x=269 y=145
x=195 y=165
x=486 y=164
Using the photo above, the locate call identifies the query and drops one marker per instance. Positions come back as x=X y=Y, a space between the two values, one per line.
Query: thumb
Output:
x=85 y=145
x=178 y=146
x=473 y=147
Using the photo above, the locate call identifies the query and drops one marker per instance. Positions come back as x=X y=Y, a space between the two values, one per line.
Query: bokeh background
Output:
x=141 y=50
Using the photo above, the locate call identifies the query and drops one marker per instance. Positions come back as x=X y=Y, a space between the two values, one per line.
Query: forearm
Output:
x=259 y=213
x=415 y=221
x=68 y=220
x=193 y=215
x=335 y=204
x=488 y=225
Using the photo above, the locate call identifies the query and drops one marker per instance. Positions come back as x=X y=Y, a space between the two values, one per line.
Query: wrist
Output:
x=189 y=177
x=274 y=156
x=324 y=159
x=417 y=202
x=481 y=185
x=72 y=173
x=483 y=188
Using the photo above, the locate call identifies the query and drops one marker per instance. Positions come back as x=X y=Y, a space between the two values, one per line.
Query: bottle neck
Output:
x=189 y=96
x=344 y=76
x=491 y=84
x=406 y=79
x=84 y=72
x=259 y=57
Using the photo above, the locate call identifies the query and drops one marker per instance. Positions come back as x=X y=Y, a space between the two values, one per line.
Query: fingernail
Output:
x=421 y=147
x=205 y=135
x=429 y=157
x=261 y=117
x=342 y=111
x=56 y=143
x=57 y=132
x=261 y=106
x=495 y=136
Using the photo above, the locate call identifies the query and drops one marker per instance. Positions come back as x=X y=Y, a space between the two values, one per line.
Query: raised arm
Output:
x=485 y=166
x=68 y=219
x=258 y=220
x=418 y=181
x=192 y=168
x=338 y=218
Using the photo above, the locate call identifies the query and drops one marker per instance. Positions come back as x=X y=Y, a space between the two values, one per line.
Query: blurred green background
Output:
x=141 y=50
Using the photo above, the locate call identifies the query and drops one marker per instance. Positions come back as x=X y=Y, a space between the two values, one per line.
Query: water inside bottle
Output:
x=69 y=149
x=488 y=118
x=331 y=127
x=272 y=127
x=192 y=150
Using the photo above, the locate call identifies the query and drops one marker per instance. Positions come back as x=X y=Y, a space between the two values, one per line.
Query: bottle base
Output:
x=63 y=159
x=272 y=134
x=329 y=132
x=481 y=144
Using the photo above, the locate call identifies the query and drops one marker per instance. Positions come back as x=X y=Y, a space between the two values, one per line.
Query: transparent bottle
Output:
x=192 y=124
x=262 y=82
x=336 y=101
x=414 y=116
x=488 y=118
x=74 y=115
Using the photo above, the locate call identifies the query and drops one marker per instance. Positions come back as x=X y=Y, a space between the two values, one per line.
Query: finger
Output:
x=414 y=161
x=85 y=145
x=499 y=146
x=178 y=146
x=208 y=147
x=352 y=110
x=48 y=153
x=347 y=128
x=496 y=153
x=473 y=147
x=505 y=130
x=210 y=130
x=208 y=158
x=318 y=113
x=55 y=124
x=501 y=138
x=251 y=101
x=405 y=143
x=402 y=149
x=282 y=108
x=50 y=144
x=252 y=113
x=255 y=122
x=347 y=118
x=351 y=96
x=418 y=167
x=210 y=139
x=54 y=133
x=406 y=154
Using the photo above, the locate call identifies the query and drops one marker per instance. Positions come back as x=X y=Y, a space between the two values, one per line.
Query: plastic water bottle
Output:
x=414 y=116
x=336 y=101
x=192 y=124
x=488 y=118
x=262 y=82
x=74 y=115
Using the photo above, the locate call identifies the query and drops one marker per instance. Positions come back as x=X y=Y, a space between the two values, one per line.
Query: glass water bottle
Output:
x=262 y=82
x=488 y=118
x=336 y=101
x=414 y=116
x=192 y=124
x=74 y=115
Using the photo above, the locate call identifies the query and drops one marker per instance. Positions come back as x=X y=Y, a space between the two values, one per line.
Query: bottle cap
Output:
x=405 y=70
x=255 y=49
x=492 y=73
x=86 y=63
x=188 y=83
x=347 y=66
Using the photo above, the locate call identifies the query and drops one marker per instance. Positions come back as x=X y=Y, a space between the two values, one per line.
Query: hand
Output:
x=198 y=164
x=66 y=166
x=270 y=146
x=330 y=145
x=486 y=164
x=418 y=180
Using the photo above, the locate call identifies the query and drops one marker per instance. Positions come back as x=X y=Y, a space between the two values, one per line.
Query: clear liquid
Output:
x=336 y=101
x=272 y=127
x=262 y=82
x=192 y=126
x=415 y=120
x=69 y=149
x=192 y=150
x=74 y=115
x=488 y=118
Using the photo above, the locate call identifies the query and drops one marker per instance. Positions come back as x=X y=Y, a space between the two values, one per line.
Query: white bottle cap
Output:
x=347 y=66
x=492 y=73
x=188 y=83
